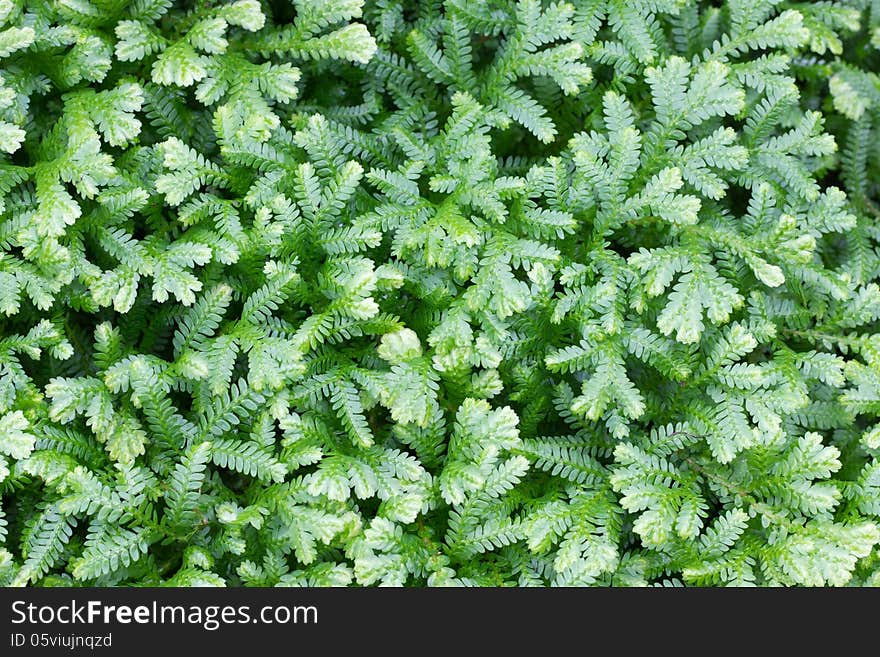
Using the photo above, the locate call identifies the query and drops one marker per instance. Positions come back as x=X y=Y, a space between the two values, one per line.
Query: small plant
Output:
x=512 y=292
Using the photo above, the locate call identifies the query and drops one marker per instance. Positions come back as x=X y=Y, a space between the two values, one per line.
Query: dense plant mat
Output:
x=509 y=292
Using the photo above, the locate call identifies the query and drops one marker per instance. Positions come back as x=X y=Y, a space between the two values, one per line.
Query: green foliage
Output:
x=520 y=292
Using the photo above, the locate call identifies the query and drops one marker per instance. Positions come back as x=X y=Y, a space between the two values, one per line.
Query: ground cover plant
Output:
x=509 y=292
